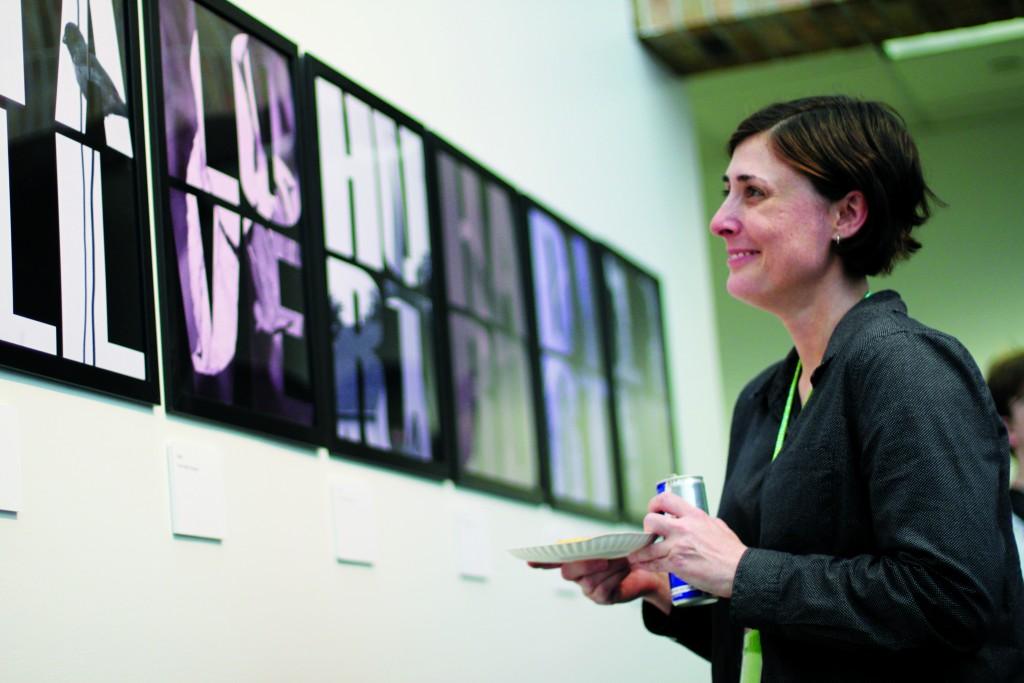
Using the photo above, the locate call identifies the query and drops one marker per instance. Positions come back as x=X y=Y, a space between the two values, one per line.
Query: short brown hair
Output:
x=843 y=144
x=1006 y=380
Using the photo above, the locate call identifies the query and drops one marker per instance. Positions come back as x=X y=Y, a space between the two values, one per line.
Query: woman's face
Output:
x=776 y=226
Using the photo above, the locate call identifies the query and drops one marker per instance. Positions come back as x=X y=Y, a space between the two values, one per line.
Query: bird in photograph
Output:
x=88 y=71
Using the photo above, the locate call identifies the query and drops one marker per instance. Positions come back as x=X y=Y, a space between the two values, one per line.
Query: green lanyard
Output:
x=781 y=436
x=750 y=666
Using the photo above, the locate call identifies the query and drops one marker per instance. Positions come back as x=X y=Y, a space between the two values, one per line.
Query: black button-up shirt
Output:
x=881 y=546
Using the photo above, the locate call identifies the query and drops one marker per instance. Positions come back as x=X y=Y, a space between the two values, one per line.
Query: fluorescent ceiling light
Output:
x=954 y=39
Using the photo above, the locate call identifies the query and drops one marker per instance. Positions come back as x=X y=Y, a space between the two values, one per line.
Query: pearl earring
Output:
x=837 y=239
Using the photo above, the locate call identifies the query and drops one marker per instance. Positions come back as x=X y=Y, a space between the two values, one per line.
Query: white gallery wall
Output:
x=561 y=100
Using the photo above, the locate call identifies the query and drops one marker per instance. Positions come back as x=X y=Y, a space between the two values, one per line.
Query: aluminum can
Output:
x=689 y=487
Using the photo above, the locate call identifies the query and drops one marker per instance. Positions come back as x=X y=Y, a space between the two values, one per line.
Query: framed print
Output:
x=576 y=428
x=370 y=212
x=75 y=276
x=490 y=382
x=639 y=370
x=229 y=187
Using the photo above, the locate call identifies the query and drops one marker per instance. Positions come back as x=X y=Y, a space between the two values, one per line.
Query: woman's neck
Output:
x=812 y=320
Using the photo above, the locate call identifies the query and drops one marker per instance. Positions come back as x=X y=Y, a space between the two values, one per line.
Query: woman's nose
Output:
x=724 y=222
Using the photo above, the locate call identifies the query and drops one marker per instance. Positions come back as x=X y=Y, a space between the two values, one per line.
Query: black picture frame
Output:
x=641 y=390
x=583 y=351
x=251 y=362
x=487 y=335
x=383 y=365
x=76 y=297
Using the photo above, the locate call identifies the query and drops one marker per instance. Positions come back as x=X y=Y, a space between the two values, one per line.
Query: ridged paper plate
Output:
x=604 y=547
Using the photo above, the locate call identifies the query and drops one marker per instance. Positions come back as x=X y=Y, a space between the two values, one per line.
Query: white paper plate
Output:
x=604 y=547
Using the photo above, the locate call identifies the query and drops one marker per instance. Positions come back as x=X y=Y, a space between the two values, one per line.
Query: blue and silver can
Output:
x=689 y=487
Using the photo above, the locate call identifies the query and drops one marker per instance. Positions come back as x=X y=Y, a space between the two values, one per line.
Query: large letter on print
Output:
x=357 y=335
x=78 y=57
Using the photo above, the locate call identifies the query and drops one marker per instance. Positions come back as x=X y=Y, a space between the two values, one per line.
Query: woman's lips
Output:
x=738 y=257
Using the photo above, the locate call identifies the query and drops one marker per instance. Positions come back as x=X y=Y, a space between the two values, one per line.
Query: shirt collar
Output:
x=775 y=387
x=863 y=312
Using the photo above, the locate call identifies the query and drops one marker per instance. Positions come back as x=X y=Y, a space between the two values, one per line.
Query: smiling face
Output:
x=777 y=229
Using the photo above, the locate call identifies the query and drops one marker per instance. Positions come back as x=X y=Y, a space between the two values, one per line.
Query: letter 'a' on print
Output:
x=371 y=217
x=492 y=406
x=76 y=303
x=232 y=247
x=638 y=364
x=570 y=367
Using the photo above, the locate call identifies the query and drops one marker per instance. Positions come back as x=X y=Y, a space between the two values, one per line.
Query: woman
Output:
x=1006 y=382
x=864 y=527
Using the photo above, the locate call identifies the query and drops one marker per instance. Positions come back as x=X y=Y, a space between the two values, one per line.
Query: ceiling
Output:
x=928 y=90
x=691 y=36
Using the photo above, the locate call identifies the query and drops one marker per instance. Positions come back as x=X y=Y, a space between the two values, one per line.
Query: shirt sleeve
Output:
x=689 y=626
x=931 y=458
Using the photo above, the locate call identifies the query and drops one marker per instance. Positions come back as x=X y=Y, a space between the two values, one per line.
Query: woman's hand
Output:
x=701 y=550
x=608 y=582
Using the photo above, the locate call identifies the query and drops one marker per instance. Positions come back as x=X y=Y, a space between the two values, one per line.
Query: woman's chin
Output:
x=740 y=289
x=749 y=293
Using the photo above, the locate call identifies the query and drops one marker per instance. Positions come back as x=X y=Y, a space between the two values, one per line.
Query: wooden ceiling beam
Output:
x=691 y=36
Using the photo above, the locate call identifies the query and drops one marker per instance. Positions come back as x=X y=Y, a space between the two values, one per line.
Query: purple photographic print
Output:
x=495 y=428
x=580 y=456
x=233 y=199
x=641 y=395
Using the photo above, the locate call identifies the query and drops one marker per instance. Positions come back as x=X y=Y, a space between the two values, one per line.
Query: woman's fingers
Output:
x=657 y=523
x=598 y=579
x=651 y=553
x=669 y=503
x=701 y=550
x=574 y=571
x=605 y=586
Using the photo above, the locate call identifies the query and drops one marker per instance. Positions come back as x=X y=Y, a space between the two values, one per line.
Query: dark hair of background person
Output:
x=1006 y=381
x=843 y=144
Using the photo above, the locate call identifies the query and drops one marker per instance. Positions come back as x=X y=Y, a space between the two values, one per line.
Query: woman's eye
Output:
x=748 y=191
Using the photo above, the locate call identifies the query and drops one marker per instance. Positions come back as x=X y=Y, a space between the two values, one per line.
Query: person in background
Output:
x=864 y=530
x=1006 y=382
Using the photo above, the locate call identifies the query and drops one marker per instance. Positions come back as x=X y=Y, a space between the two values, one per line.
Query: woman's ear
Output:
x=849 y=213
x=1014 y=442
